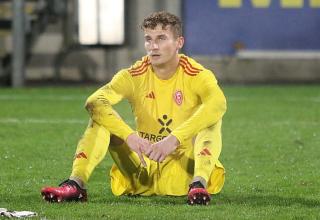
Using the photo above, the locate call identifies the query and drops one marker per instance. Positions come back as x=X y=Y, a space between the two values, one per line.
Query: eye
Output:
x=147 y=39
x=162 y=38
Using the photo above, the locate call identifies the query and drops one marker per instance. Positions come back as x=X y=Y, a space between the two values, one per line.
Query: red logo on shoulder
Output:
x=178 y=97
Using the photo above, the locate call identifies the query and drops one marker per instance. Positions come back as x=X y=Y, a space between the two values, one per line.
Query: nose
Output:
x=154 y=45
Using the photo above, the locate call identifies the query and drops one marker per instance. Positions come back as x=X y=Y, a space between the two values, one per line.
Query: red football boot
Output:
x=198 y=195
x=67 y=191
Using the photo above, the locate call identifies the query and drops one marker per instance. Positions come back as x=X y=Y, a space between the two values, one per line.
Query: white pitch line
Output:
x=295 y=122
x=275 y=123
x=289 y=99
x=41 y=121
x=42 y=97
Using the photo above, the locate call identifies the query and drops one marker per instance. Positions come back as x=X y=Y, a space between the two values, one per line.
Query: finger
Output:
x=144 y=164
x=152 y=155
x=156 y=156
x=162 y=158
x=147 y=151
x=151 y=148
x=145 y=147
x=146 y=142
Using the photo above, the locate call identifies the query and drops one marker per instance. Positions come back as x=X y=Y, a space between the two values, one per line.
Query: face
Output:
x=161 y=45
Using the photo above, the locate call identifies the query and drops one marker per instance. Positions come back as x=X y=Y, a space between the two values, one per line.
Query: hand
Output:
x=138 y=145
x=160 y=150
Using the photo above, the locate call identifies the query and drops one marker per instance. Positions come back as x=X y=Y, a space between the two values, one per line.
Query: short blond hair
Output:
x=164 y=19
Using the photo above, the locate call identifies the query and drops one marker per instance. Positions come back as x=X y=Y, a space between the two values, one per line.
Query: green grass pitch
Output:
x=271 y=150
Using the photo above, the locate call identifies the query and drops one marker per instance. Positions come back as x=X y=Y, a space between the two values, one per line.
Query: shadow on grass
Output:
x=143 y=200
x=222 y=199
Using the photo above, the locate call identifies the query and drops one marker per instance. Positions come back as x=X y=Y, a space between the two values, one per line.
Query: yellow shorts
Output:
x=171 y=177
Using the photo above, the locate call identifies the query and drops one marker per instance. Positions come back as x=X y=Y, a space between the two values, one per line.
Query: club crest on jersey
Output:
x=178 y=97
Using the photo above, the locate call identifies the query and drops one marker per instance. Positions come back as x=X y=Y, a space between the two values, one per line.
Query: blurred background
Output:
x=81 y=41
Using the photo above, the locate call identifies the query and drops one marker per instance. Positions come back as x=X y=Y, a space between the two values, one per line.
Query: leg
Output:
x=207 y=148
x=91 y=149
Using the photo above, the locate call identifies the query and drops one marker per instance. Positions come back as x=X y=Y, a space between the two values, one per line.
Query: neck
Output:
x=167 y=70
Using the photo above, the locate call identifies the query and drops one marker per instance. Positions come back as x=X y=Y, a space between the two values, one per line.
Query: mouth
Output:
x=154 y=55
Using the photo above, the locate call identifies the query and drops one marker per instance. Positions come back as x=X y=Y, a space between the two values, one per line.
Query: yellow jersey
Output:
x=188 y=102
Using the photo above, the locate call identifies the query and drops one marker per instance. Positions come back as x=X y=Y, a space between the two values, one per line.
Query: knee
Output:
x=90 y=103
x=96 y=103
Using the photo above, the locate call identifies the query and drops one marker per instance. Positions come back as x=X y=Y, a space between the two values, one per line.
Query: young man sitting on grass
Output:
x=178 y=108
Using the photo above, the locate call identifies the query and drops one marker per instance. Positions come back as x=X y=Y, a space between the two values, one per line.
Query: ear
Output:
x=180 y=42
